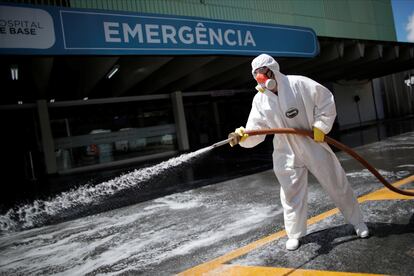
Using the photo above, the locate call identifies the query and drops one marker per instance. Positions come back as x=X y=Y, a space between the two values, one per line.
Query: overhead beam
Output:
x=90 y=71
x=41 y=68
x=177 y=68
x=354 y=52
x=134 y=70
x=330 y=51
x=211 y=70
x=392 y=58
x=217 y=82
x=371 y=55
x=341 y=54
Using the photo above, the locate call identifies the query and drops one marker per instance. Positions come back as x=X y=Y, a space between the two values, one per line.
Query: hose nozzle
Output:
x=221 y=143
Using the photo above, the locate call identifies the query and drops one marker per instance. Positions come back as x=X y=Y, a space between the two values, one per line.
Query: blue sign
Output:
x=46 y=30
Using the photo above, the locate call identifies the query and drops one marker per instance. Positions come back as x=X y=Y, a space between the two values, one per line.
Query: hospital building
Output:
x=94 y=85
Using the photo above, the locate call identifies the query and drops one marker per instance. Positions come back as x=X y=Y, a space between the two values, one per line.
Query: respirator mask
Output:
x=263 y=79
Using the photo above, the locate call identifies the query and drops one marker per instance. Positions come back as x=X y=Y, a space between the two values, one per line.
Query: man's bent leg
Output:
x=333 y=179
x=293 y=196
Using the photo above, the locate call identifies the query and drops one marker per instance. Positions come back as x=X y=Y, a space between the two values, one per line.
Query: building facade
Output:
x=67 y=113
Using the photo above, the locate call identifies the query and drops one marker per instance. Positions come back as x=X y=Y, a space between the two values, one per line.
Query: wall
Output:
x=367 y=19
x=347 y=108
x=397 y=96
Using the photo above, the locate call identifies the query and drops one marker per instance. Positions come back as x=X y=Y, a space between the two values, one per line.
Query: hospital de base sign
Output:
x=47 y=30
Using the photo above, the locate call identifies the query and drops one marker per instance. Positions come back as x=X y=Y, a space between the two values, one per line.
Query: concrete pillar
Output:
x=217 y=118
x=48 y=144
x=180 y=122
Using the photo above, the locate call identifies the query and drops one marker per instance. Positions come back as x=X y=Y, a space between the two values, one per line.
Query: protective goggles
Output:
x=264 y=71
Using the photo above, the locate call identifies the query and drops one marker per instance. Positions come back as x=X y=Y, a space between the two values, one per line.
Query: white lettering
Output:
x=216 y=36
x=249 y=39
x=226 y=37
x=152 y=33
x=201 y=33
x=168 y=32
x=129 y=32
x=189 y=38
x=110 y=32
x=239 y=38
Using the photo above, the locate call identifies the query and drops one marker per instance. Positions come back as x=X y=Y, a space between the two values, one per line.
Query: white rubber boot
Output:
x=361 y=230
x=292 y=244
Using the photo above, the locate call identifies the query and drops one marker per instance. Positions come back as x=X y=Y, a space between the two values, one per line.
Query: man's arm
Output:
x=324 y=111
x=256 y=120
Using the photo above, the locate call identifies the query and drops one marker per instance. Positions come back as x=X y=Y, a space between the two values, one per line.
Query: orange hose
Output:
x=336 y=144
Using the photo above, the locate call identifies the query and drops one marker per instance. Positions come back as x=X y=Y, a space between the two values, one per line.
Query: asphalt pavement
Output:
x=231 y=227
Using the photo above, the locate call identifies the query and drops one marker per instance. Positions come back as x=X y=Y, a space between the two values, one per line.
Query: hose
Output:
x=336 y=144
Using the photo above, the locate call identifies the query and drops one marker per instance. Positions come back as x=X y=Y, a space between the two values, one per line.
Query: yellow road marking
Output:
x=384 y=193
x=239 y=270
x=215 y=266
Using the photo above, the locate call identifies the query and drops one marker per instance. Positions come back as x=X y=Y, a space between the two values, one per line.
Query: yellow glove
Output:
x=240 y=131
x=237 y=136
x=318 y=135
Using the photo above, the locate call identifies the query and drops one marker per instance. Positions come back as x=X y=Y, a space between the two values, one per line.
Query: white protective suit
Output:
x=301 y=103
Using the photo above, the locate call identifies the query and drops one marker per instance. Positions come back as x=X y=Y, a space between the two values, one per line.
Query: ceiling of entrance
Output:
x=78 y=77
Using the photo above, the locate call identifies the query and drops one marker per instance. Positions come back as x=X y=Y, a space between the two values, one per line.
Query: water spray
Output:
x=39 y=212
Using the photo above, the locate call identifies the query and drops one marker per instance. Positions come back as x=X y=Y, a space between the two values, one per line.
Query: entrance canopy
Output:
x=95 y=54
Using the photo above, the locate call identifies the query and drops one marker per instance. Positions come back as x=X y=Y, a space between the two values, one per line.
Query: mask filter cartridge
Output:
x=263 y=80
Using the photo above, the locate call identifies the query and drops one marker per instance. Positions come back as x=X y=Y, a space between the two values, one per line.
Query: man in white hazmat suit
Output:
x=298 y=102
